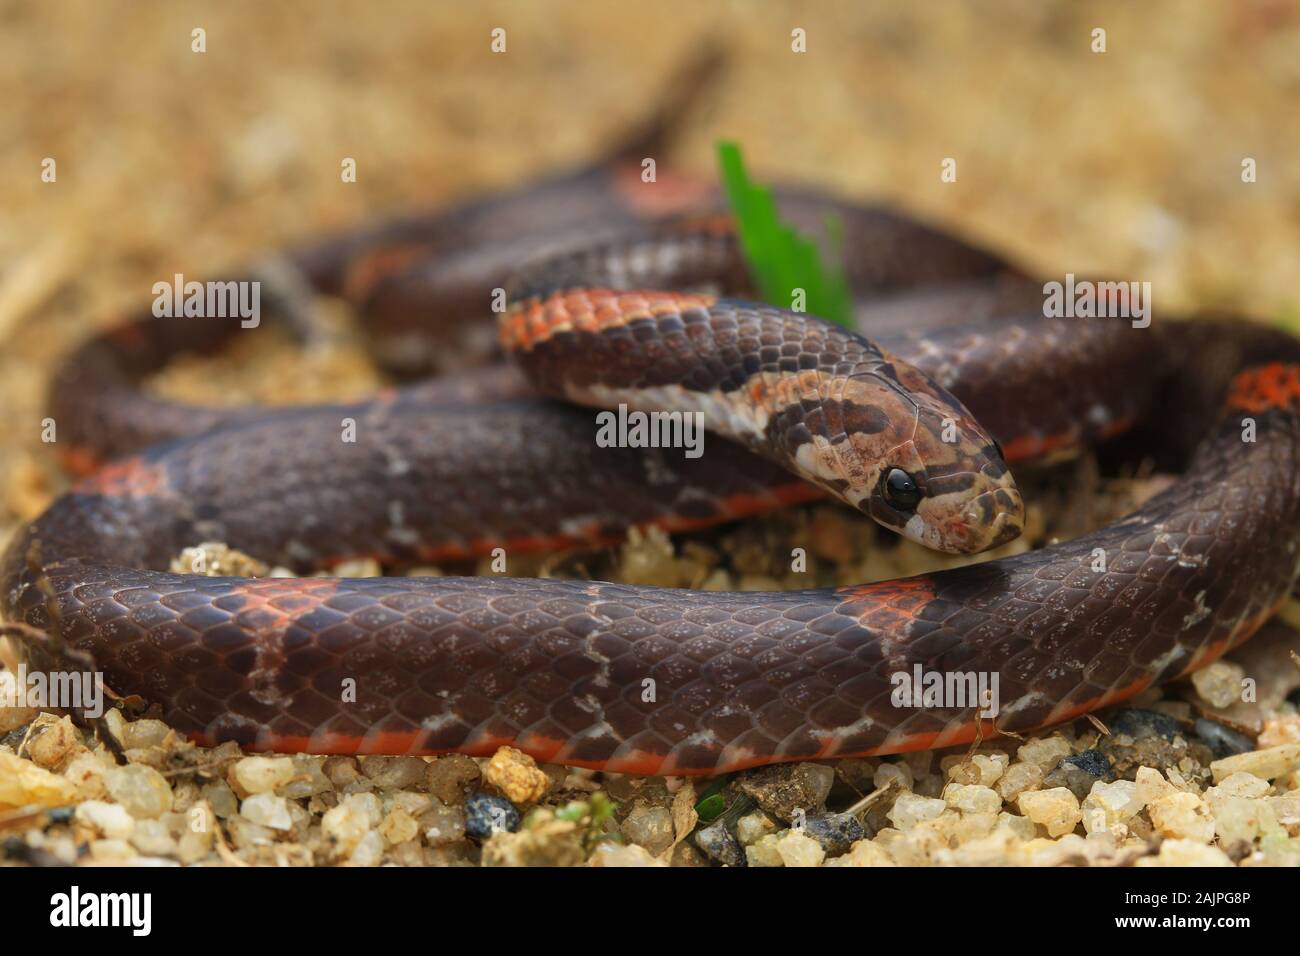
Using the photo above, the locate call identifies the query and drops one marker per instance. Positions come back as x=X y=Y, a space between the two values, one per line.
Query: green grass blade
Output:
x=780 y=260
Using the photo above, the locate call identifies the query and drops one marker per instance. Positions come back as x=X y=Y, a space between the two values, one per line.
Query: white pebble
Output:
x=972 y=798
x=910 y=809
x=369 y=850
x=143 y=791
x=1056 y=809
x=108 y=819
x=1266 y=764
x=1182 y=816
x=262 y=774
x=268 y=810
x=1116 y=802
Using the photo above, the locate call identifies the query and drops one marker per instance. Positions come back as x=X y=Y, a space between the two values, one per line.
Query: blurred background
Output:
x=1124 y=163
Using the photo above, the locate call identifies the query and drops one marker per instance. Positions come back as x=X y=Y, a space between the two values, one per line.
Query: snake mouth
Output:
x=1002 y=511
x=1007 y=526
x=988 y=521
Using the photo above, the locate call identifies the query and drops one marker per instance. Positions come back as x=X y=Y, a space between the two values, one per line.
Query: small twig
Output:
x=223 y=848
x=873 y=797
x=21 y=816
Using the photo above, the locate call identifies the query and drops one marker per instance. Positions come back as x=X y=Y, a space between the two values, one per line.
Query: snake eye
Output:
x=900 y=490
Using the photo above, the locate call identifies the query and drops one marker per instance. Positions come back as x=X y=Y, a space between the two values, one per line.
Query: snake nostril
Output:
x=1007 y=528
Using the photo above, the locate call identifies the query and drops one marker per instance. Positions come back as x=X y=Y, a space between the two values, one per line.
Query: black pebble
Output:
x=486 y=813
x=1138 y=724
x=1079 y=772
x=836 y=832
x=1092 y=762
x=720 y=845
x=1222 y=741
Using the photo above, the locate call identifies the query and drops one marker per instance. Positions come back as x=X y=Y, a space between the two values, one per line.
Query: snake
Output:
x=625 y=294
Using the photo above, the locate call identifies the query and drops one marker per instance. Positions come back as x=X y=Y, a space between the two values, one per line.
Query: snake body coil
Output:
x=561 y=669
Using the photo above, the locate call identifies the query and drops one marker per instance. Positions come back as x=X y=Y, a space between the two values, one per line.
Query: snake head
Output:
x=904 y=451
x=955 y=496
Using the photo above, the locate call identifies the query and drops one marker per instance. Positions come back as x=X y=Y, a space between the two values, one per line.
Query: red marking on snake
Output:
x=591 y=310
x=405 y=742
x=79 y=461
x=1276 y=385
x=541 y=749
x=130 y=336
x=888 y=605
x=987 y=728
x=1028 y=448
x=669 y=193
x=363 y=274
x=731 y=508
x=1213 y=651
x=272 y=604
x=133 y=477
